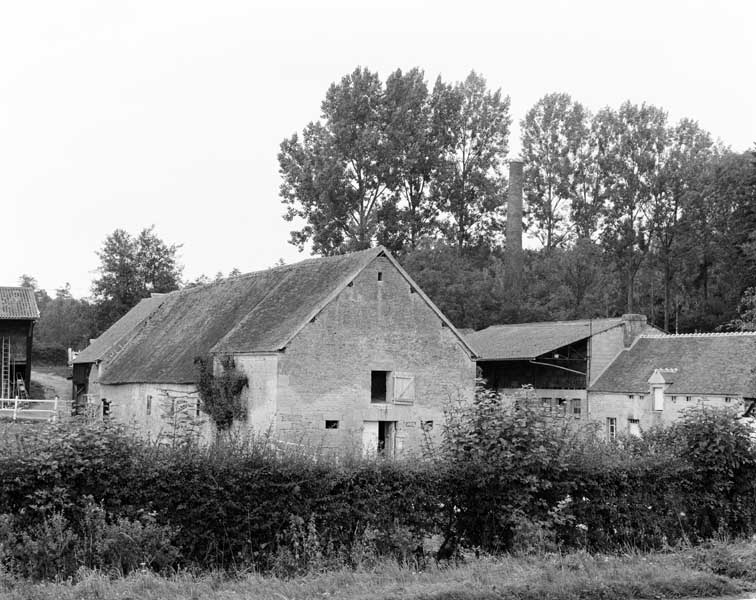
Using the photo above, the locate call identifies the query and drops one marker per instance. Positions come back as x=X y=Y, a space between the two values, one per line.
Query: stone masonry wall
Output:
x=325 y=372
x=624 y=407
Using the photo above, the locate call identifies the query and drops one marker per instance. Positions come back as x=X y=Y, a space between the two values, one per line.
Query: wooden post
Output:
x=15 y=408
x=29 y=338
x=55 y=409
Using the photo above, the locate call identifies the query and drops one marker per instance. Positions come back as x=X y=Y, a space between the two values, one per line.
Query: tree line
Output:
x=630 y=212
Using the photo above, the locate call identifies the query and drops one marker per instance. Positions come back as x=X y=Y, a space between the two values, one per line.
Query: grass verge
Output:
x=569 y=577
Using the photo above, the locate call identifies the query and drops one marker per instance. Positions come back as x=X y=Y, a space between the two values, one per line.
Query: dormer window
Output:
x=658 y=398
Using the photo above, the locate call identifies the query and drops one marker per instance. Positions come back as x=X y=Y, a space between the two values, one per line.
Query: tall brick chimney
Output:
x=514 y=227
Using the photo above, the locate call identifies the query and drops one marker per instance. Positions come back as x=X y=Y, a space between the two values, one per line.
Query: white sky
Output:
x=126 y=114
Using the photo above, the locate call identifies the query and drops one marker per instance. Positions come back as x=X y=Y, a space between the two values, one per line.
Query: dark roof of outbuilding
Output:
x=530 y=340
x=257 y=312
x=716 y=363
x=18 y=303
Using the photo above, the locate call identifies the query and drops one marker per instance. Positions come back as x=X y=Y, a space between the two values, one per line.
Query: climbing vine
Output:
x=220 y=392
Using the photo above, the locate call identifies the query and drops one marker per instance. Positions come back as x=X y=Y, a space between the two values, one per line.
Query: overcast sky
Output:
x=128 y=114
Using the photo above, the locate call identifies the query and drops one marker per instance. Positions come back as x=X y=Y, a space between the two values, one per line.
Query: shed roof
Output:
x=522 y=341
x=715 y=363
x=18 y=303
x=257 y=312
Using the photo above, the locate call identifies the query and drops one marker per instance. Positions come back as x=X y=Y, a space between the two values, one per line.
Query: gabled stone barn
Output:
x=339 y=351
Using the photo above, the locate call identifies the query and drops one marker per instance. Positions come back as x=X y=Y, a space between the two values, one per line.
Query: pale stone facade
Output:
x=320 y=390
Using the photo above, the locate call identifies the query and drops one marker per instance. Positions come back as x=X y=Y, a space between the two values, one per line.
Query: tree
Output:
x=687 y=152
x=554 y=131
x=633 y=140
x=131 y=269
x=337 y=178
x=416 y=154
x=471 y=124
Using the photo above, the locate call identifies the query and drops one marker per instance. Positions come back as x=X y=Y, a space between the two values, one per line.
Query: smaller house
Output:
x=657 y=378
x=18 y=314
x=558 y=359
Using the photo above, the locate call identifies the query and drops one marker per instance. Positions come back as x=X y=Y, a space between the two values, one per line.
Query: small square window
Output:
x=426 y=425
x=631 y=397
x=728 y=399
x=331 y=424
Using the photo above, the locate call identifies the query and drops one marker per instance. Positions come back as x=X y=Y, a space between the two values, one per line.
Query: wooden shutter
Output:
x=404 y=388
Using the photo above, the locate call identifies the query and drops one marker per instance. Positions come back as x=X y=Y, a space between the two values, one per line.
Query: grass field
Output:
x=686 y=574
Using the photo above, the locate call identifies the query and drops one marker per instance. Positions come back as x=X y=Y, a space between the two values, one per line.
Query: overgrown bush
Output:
x=506 y=478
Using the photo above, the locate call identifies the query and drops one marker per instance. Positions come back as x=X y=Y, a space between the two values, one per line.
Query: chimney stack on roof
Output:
x=634 y=326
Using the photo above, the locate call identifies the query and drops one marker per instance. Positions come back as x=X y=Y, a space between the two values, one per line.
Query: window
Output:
x=611 y=428
x=380 y=276
x=633 y=427
x=546 y=404
x=331 y=424
x=197 y=408
x=561 y=406
x=576 y=407
x=688 y=398
x=658 y=398
x=149 y=405
x=105 y=408
x=426 y=425
x=728 y=399
x=674 y=398
x=631 y=397
x=378 y=385
x=404 y=388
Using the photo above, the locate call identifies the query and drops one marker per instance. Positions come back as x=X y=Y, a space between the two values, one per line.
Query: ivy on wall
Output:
x=220 y=391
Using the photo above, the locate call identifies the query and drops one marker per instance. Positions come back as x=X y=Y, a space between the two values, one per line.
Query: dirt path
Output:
x=53 y=384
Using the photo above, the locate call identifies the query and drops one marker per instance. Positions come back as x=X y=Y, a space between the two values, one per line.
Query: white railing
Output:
x=21 y=408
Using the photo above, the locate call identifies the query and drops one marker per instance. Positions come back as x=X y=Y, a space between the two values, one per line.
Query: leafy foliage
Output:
x=220 y=391
x=131 y=269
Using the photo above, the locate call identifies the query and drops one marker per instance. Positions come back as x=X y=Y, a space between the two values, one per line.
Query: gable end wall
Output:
x=324 y=373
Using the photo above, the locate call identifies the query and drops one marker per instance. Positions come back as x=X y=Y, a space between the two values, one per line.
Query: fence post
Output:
x=15 y=408
x=55 y=409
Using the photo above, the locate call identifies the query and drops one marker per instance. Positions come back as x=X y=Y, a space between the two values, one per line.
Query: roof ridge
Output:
x=531 y=323
x=700 y=335
x=251 y=274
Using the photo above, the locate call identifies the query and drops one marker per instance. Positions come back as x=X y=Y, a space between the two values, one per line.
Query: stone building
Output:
x=654 y=380
x=18 y=314
x=559 y=359
x=340 y=351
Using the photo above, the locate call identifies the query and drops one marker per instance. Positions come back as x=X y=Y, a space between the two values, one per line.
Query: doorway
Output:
x=379 y=438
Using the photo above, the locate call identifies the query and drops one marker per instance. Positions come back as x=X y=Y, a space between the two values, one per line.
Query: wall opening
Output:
x=658 y=398
x=577 y=409
x=378 y=385
x=611 y=428
x=633 y=427
x=331 y=424
x=379 y=438
x=380 y=276
x=149 y=405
